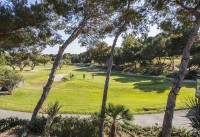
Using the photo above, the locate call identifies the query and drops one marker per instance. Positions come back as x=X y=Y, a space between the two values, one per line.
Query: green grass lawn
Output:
x=140 y=94
x=176 y=60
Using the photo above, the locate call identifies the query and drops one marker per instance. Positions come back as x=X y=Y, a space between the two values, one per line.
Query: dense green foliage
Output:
x=116 y=114
x=77 y=127
x=100 y=53
x=12 y=122
x=29 y=24
x=155 y=131
x=2 y=60
x=9 y=80
x=194 y=112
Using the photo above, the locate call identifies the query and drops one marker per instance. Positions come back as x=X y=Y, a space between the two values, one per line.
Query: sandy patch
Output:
x=59 y=77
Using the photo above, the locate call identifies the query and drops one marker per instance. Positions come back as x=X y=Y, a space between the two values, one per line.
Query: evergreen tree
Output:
x=27 y=24
x=185 y=15
x=125 y=18
x=83 y=18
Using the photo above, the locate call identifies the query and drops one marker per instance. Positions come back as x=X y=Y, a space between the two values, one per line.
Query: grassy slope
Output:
x=84 y=96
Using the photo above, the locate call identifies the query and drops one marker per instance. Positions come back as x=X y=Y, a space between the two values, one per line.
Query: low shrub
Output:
x=191 y=74
x=172 y=75
x=76 y=127
x=12 y=122
x=38 y=126
x=86 y=127
x=9 y=80
x=155 y=131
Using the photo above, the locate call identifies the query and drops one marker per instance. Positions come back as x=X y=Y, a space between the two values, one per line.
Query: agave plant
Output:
x=117 y=113
x=194 y=113
x=51 y=111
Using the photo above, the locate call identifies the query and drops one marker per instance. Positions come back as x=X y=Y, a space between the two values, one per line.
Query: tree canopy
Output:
x=29 y=24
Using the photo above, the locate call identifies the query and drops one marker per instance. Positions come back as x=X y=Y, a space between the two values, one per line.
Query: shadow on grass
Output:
x=3 y=93
x=90 y=69
x=86 y=69
x=146 y=84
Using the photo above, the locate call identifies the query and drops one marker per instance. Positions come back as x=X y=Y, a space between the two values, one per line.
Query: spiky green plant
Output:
x=51 y=111
x=194 y=112
x=117 y=113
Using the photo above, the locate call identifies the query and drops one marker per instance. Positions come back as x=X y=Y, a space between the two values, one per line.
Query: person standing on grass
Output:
x=83 y=76
x=92 y=75
x=70 y=76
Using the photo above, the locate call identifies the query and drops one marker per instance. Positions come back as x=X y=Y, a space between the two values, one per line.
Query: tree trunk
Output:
x=21 y=68
x=47 y=127
x=47 y=88
x=135 y=65
x=167 y=122
x=113 y=130
x=101 y=126
x=162 y=65
x=32 y=67
x=172 y=63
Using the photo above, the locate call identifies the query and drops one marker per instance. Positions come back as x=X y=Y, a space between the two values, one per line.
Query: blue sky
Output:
x=75 y=48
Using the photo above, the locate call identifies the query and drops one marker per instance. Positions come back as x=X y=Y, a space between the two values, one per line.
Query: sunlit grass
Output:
x=140 y=94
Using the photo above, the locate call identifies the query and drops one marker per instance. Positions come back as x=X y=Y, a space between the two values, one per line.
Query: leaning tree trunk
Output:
x=101 y=126
x=167 y=122
x=47 y=88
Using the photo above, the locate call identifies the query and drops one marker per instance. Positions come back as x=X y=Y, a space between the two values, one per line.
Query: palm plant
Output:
x=117 y=113
x=51 y=111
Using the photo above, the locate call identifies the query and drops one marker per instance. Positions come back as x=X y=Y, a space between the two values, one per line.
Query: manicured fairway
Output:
x=140 y=94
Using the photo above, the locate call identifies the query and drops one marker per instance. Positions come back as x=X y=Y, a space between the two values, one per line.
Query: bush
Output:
x=71 y=126
x=86 y=127
x=172 y=75
x=9 y=80
x=191 y=74
x=8 y=123
x=155 y=131
x=76 y=127
x=38 y=126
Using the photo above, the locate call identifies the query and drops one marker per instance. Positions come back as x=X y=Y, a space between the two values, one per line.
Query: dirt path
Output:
x=179 y=121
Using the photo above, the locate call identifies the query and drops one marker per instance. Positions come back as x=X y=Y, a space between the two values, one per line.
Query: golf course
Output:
x=84 y=96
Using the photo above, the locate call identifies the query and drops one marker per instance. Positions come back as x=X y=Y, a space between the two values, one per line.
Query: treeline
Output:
x=22 y=60
x=148 y=54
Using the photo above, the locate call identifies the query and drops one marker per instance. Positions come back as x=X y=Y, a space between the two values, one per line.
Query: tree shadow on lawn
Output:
x=159 y=86
x=146 y=84
x=90 y=69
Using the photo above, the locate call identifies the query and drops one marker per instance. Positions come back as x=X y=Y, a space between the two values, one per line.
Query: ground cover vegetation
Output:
x=77 y=127
x=185 y=15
